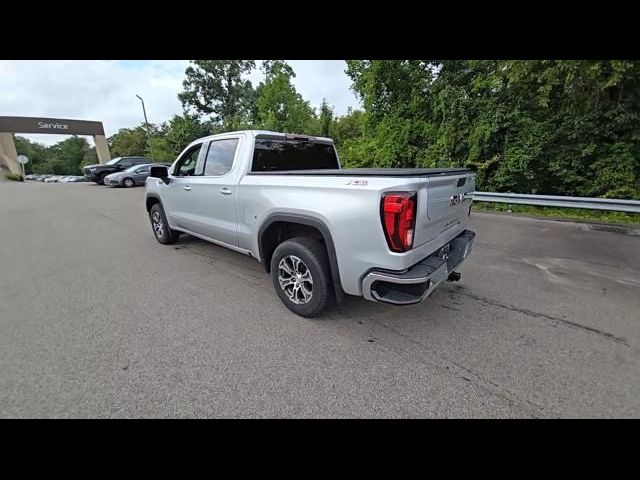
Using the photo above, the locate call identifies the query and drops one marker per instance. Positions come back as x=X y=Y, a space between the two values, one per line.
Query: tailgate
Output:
x=446 y=211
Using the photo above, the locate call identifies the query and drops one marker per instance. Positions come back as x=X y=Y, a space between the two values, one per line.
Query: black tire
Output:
x=101 y=179
x=164 y=234
x=313 y=256
x=128 y=181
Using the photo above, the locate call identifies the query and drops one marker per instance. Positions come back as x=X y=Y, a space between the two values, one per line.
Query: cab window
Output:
x=220 y=157
x=186 y=166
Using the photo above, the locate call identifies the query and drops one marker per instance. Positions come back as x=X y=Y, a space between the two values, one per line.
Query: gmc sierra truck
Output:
x=390 y=235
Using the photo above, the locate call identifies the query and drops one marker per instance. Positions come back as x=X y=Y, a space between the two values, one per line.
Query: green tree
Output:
x=396 y=96
x=172 y=137
x=347 y=127
x=68 y=155
x=347 y=132
x=589 y=113
x=558 y=127
x=90 y=157
x=217 y=88
x=35 y=152
x=184 y=129
x=325 y=120
x=129 y=142
x=162 y=151
x=279 y=106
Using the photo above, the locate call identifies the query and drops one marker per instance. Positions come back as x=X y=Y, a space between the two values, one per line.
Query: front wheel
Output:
x=128 y=182
x=160 y=226
x=301 y=276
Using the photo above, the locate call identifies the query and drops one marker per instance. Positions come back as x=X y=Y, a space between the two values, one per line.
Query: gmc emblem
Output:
x=456 y=199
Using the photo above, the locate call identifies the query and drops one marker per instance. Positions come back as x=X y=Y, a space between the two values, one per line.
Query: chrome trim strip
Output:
x=435 y=279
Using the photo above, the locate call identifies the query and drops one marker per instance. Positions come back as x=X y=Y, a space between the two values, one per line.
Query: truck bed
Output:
x=371 y=172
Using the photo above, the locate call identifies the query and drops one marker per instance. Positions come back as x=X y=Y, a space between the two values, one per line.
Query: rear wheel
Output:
x=160 y=226
x=128 y=182
x=300 y=274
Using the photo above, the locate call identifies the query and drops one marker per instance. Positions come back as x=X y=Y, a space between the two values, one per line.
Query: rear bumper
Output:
x=419 y=281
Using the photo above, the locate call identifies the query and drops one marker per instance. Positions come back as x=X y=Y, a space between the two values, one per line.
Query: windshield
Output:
x=114 y=161
x=136 y=167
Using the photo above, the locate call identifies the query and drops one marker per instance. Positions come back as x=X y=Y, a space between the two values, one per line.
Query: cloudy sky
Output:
x=105 y=90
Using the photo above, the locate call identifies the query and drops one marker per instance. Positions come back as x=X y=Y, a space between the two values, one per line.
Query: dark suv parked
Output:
x=96 y=173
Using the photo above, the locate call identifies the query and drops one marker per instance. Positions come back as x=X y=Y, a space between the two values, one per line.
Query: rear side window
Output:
x=277 y=155
x=220 y=157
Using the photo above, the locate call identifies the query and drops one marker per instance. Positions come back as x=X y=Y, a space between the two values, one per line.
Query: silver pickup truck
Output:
x=390 y=235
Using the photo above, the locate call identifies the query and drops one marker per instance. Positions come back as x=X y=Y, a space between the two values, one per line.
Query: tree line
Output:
x=535 y=126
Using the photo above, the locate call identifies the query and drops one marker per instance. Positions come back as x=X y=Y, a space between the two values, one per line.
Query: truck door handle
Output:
x=225 y=191
x=187 y=188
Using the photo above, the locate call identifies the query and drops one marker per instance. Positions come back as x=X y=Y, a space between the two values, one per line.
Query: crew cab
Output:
x=97 y=172
x=390 y=235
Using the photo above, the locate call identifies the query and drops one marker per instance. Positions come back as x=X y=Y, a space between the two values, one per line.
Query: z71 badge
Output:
x=361 y=183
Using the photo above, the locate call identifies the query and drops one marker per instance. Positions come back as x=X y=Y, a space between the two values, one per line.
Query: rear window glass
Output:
x=276 y=155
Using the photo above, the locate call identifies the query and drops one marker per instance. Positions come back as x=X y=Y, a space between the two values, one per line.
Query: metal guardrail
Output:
x=610 y=204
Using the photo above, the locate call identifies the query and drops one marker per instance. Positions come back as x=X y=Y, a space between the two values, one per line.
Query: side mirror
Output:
x=160 y=172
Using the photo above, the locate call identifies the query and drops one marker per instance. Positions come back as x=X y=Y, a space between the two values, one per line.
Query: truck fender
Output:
x=311 y=222
x=151 y=199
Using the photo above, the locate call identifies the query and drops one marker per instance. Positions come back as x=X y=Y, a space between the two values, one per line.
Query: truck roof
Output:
x=268 y=133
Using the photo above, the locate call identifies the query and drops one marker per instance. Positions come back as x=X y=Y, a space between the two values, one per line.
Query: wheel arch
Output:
x=274 y=222
x=151 y=200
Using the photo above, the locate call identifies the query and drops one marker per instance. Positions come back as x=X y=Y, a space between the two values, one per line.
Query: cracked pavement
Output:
x=99 y=320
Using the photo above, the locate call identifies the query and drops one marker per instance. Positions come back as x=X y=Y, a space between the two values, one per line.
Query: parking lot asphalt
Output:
x=99 y=320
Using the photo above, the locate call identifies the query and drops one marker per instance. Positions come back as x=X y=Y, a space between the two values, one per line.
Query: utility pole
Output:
x=144 y=111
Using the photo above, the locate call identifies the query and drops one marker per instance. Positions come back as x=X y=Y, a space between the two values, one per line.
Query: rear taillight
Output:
x=398 y=215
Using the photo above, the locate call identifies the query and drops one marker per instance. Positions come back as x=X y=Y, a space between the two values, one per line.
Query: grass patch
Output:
x=563 y=213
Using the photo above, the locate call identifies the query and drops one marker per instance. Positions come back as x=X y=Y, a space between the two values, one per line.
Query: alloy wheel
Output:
x=156 y=223
x=295 y=279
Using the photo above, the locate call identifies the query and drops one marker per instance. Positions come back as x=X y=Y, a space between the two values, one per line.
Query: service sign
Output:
x=50 y=125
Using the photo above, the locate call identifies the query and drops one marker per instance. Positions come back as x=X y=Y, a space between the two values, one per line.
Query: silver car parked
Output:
x=135 y=175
